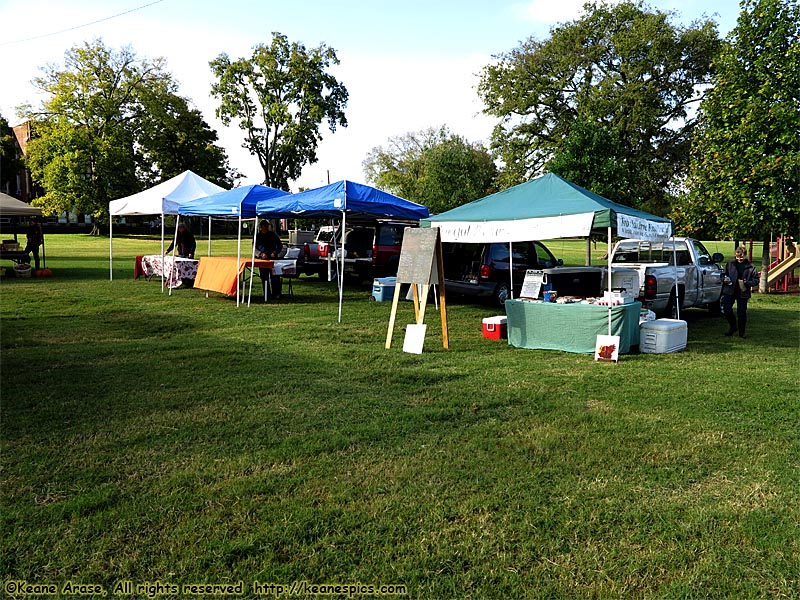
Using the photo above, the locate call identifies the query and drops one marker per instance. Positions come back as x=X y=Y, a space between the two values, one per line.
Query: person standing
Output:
x=269 y=246
x=35 y=239
x=739 y=277
x=185 y=242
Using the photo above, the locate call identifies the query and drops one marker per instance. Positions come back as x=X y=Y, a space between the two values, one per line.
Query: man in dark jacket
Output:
x=269 y=246
x=739 y=277
x=35 y=237
x=185 y=243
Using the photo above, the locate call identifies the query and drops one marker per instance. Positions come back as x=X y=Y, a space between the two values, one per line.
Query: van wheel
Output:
x=501 y=294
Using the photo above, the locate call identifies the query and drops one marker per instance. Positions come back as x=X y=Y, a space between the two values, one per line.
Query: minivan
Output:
x=482 y=270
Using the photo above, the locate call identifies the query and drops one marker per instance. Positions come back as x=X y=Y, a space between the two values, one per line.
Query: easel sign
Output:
x=607 y=348
x=532 y=284
x=420 y=265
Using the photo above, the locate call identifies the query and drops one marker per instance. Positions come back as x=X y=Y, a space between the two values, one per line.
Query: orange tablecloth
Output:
x=218 y=273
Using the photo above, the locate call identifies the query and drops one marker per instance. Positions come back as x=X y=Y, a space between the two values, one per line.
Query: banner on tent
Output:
x=520 y=230
x=642 y=229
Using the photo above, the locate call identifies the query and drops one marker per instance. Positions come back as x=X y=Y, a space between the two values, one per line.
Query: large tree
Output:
x=433 y=167
x=102 y=131
x=745 y=170
x=280 y=96
x=618 y=83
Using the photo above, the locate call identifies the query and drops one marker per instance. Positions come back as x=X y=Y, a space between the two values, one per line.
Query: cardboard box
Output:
x=663 y=336
x=495 y=328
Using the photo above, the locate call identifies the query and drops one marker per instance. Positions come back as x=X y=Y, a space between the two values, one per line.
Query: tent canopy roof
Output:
x=10 y=207
x=237 y=202
x=544 y=208
x=355 y=199
x=166 y=197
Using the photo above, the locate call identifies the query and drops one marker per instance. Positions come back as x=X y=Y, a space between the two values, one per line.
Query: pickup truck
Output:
x=305 y=247
x=699 y=274
x=370 y=250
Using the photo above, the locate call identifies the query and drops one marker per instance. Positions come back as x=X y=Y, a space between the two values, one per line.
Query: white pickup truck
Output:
x=697 y=282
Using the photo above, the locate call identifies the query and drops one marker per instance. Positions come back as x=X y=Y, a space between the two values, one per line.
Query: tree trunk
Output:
x=765 y=260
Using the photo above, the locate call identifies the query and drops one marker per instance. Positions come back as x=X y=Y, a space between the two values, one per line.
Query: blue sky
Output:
x=408 y=65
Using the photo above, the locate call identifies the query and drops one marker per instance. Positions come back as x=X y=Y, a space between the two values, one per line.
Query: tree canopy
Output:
x=280 y=96
x=111 y=125
x=745 y=169
x=619 y=83
x=433 y=167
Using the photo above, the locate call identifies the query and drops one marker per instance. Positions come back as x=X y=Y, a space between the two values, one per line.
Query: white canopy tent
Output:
x=162 y=199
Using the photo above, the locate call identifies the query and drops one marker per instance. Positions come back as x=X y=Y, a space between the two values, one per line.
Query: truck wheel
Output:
x=501 y=294
x=671 y=311
x=715 y=308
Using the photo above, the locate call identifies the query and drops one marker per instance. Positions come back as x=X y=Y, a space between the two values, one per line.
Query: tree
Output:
x=622 y=79
x=101 y=132
x=744 y=177
x=432 y=167
x=280 y=96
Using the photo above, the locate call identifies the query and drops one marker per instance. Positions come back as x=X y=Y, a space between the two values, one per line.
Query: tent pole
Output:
x=174 y=249
x=675 y=265
x=511 y=268
x=163 y=225
x=110 y=247
x=609 y=280
x=252 y=261
x=238 y=256
x=341 y=273
x=209 y=235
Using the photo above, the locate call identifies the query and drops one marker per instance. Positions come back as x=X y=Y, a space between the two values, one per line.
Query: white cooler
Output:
x=662 y=336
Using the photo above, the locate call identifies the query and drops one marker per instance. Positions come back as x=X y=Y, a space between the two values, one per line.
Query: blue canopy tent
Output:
x=338 y=200
x=240 y=203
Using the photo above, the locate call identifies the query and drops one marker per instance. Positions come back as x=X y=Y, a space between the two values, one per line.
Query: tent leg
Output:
x=609 y=280
x=110 y=248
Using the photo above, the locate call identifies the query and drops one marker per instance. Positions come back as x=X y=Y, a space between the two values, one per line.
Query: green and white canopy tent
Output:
x=548 y=207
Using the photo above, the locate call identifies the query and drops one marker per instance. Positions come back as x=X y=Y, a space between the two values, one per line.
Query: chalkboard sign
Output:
x=532 y=284
x=418 y=256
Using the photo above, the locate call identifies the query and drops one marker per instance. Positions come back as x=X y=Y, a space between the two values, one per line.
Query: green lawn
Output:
x=180 y=439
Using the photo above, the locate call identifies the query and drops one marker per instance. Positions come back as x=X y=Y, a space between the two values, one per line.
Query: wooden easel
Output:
x=420 y=264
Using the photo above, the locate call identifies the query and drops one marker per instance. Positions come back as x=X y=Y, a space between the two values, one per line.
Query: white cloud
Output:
x=550 y=12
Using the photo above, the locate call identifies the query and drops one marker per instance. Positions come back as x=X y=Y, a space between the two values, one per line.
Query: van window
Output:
x=524 y=254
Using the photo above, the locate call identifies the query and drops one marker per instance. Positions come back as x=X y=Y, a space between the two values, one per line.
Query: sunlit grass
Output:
x=179 y=438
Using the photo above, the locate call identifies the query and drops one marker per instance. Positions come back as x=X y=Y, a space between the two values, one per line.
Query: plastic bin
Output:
x=663 y=336
x=383 y=289
x=495 y=328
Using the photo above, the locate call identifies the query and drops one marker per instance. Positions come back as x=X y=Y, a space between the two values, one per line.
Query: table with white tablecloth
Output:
x=173 y=268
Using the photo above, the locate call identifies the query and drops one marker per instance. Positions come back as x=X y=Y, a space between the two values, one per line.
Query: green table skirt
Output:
x=570 y=327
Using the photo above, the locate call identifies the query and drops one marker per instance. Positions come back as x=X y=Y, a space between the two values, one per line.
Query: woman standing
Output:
x=739 y=277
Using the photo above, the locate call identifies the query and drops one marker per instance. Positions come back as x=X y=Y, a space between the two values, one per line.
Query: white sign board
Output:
x=642 y=229
x=532 y=285
x=415 y=338
x=607 y=348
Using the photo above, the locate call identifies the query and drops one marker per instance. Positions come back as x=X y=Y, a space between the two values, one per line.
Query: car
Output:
x=482 y=270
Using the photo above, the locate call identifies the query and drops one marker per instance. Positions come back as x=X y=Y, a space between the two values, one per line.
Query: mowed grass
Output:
x=178 y=438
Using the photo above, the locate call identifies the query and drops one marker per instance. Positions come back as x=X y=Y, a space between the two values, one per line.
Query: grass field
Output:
x=180 y=439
